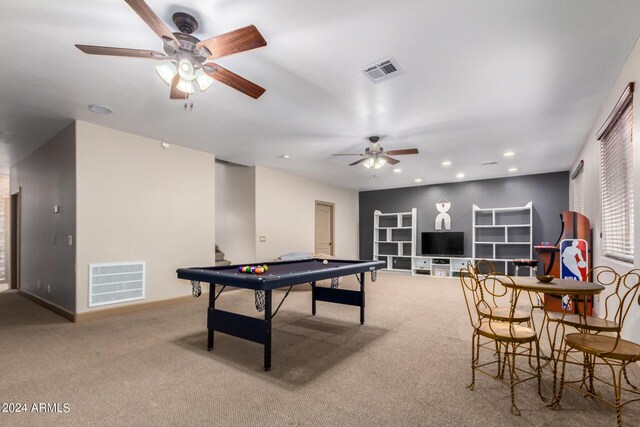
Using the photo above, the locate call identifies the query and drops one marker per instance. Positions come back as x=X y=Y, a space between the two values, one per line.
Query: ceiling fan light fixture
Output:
x=185 y=86
x=185 y=70
x=167 y=72
x=369 y=163
x=380 y=162
x=203 y=80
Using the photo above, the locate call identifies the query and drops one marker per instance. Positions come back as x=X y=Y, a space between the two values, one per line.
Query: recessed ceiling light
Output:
x=460 y=175
x=99 y=109
x=397 y=170
x=285 y=156
x=509 y=154
x=417 y=180
x=446 y=163
x=513 y=169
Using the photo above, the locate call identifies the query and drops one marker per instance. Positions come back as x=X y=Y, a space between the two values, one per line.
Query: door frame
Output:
x=14 y=250
x=333 y=225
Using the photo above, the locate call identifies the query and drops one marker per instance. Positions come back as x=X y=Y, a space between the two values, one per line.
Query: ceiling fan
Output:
x=375 y=157
x=184 y=58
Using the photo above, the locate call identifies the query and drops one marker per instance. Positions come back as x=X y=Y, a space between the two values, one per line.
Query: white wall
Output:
x=285 y=214
x=236 y=211
x=139 y=202
x=591 y=185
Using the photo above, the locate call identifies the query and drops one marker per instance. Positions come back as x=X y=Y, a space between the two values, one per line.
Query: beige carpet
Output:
x=408 y=365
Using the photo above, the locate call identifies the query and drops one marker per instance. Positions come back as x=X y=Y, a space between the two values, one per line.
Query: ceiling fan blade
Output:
x=390 y=160
x=359 y=161
x=175 y=93
x=342 y=154
x=235 y=81
x=236 y=41
x=152 y=20
x=402 y=152
x=119 y=51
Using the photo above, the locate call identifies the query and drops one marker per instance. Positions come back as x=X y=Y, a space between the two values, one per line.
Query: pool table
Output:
x=283 y=274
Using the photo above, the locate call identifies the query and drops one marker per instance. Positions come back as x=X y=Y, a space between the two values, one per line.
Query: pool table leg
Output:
x=212 y=306
x=313 y=298
x=267 y=321
x=362 y=279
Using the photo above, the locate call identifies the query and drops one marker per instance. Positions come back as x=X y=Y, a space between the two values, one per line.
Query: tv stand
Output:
x=438 y=265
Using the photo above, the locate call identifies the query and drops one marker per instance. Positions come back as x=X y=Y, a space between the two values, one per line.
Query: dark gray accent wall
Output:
x=549 y=193
x=47 y=177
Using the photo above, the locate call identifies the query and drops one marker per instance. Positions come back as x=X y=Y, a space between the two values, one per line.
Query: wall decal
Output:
x=443 y=206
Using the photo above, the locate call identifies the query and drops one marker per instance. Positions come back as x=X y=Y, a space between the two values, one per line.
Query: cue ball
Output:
x=325 y=262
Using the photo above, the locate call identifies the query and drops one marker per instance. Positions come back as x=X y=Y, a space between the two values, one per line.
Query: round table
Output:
x=557 y=286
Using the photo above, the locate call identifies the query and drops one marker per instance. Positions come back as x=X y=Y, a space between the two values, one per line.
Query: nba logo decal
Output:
x=573 y=263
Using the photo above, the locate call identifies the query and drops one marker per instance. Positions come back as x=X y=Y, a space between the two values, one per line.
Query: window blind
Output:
x=577 y=199
x=616 y=181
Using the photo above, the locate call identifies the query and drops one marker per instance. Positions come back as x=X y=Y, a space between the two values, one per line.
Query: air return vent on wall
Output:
x=383 y=70
x=116 y=282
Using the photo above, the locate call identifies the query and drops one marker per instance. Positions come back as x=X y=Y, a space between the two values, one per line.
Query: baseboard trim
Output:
x=110 y=311
x=48 y=305
x=131 y=308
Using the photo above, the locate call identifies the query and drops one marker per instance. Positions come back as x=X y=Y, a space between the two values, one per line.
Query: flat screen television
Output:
x=443 y=243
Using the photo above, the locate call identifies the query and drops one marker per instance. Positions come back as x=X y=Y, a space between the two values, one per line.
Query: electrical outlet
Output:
x=39 y=285
x=70 y=240
x=53 y=240
x=49 y=288
x=263 y=239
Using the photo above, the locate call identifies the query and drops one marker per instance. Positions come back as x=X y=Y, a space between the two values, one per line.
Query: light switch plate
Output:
x=263 y=239
x=70 y=240
x=56 y=209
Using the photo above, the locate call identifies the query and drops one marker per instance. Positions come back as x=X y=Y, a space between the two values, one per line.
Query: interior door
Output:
x=324 y=228
x=15 y=242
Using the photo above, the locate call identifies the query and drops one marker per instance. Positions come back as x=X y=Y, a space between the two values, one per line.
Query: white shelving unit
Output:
x=501 y=235
x=394 y=239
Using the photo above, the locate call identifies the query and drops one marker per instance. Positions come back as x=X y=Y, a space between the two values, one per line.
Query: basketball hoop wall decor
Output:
x=443 y=220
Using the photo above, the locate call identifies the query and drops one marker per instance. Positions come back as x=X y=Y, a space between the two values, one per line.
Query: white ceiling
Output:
x=481 y=78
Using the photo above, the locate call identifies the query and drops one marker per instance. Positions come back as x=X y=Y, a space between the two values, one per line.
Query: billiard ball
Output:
x=258 y=270
x=325 y=262
x=265 y=268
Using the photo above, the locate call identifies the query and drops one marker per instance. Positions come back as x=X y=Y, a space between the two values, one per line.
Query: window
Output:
x=616 y=179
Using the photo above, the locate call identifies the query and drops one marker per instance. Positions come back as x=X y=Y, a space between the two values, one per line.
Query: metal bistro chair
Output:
x=494 y=309
x=608 y=350
x=495 y=333
x=605 y=276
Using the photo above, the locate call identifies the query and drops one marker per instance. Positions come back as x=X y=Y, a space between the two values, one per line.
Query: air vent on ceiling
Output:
x=488 y=163
x=382 y=70
x=114 y=283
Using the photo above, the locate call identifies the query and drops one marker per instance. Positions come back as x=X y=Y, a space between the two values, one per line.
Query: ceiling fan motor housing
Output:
x=186 y=23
